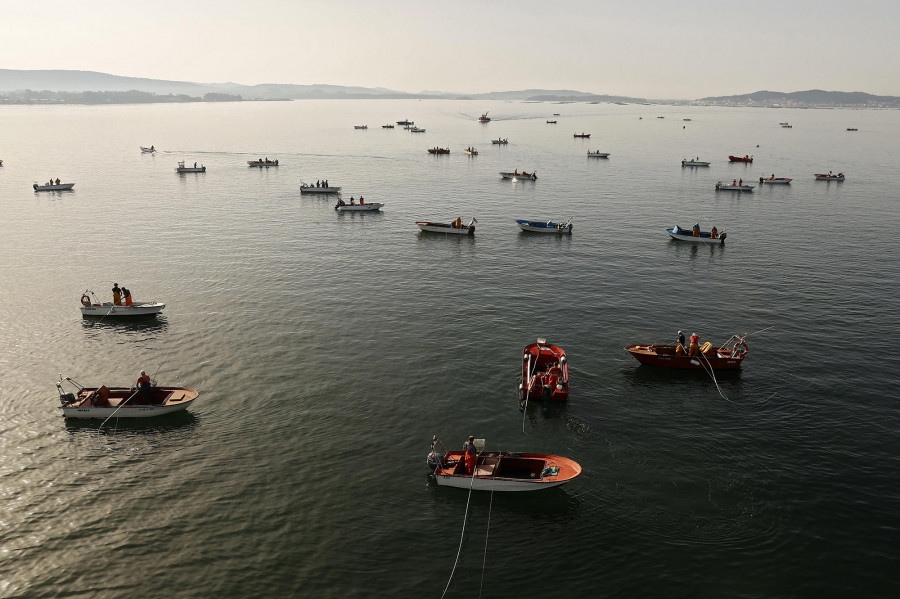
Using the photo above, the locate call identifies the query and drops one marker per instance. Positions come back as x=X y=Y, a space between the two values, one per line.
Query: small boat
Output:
x=501 y=141
x=829 y=177
x=582 y=134
x=848 y=129
x=545 y=372
x=744 y=158
x=51 y=186
x=551 y=122
x=263 y=162
x=121 y=402
x=696 y=162
x=181 y=168
x=660 y=117
x=416 y=130
x=773 y=180
x=360 y=126
x=597 y=154
x=555 y=114
x=91 y=306
x=500 y=470
x=471 y=151
x=341 y=206
x=786 y=126
x=304 y=188
x=517 y=176
x=149 y=150
x=539 y=226
x=733 y=187
x=454 y=228
x=406 y=123
x=682 y=234
x=387 y=126
x=688 y=120
x=437 y=150
x=727 y=357
x=784 y=123
x=484 y=118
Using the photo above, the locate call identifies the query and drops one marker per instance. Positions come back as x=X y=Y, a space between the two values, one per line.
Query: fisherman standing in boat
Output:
x=117 y=295
x=695 y=345
x=145 y=387
x=679 y=346
x=471 y=454
x=127 y=295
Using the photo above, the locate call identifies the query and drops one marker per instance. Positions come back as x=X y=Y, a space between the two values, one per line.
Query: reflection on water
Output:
x=183 y=421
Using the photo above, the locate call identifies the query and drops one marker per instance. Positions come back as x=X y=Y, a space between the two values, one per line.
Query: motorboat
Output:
x=786 y=126
x=582 y=134
x=501 y=141
x=555 y=114
x=471 y=151
x=181 y=168
x=306 y=188
x=120 y=402
x=416 y=130
x=484 y=118
x=551 y=122
x=454 y=228
x=733 y=187
x=695 y=162
x=437 y=150
x=91 y=306
x=517 y=176
x=149 y=150
x=263 y=162
x=405 y=122
x=360 y=126
x=773 y=180
x=728 y=356
x=545 y=372
x=51 y=186
x=549 y=226
x=829 y=177
x=342 y=206
x=848 y=129
x=387 y=126
x=597 y=154
x=744 y=158
x=682 y=234
x=500 y=470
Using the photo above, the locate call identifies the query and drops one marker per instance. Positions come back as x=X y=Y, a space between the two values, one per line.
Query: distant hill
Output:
x=813 y=97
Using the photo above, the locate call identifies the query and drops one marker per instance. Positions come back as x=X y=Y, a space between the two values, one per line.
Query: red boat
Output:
x=438 y=150
x=743 y=158
x=727 y=357
x=545 y=372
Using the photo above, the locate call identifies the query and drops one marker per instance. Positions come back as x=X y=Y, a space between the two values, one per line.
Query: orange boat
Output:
x=545 y=372
x=744 y=158
x=727 y=357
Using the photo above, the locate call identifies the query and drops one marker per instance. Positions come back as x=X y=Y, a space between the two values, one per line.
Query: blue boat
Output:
x=539 y=226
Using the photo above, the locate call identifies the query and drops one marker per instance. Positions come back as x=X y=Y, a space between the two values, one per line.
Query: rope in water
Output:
x=487 y=532
x=462 y=535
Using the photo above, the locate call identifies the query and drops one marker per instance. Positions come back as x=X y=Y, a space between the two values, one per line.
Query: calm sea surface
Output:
x=328 y=349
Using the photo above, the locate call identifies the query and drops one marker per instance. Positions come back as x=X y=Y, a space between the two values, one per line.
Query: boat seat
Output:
x=485 y=469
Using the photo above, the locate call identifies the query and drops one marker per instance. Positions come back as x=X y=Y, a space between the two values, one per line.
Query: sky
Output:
x=640 y=48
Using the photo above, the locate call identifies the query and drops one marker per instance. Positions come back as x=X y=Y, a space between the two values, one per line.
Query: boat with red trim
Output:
x=728 y=356
x=454 y=228
x=484 y=118
x=545 y=372
x=829 y=177
x=121 y=402
x=744 y=158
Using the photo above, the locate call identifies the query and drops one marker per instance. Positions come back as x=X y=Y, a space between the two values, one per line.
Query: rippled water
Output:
x=328 y=349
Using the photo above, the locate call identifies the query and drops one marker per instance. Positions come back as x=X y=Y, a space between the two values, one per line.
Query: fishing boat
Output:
x=555 y=114
x=682 y=234
x=773 y=180
x=120 y=402
x=783 y=123
x=501 y=141
x=517 y=176
x=342 y=206
x=829 y=177
x=582 y=134
x=540 y=226
x=551 y=122
x=733 y=187
x=149 y=150
x=437 y=150
x=848 y=129
x=263 y=162
x=181 y=168
x=484 y=118
x=471 y=151
x=545 y=372
x=597 y=154
x=387 y=126
x=744 y=158
x=727 y=357
x=454 y=228
x=695 y=162
x=91 y=306
x=405 y=122
x=51 y=186
x=360 y=126
x=416 y=130
x=786 y=126
x=306 y=188
x=500 y=470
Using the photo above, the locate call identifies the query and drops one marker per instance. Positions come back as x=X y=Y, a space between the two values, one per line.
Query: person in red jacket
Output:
x=471 y=454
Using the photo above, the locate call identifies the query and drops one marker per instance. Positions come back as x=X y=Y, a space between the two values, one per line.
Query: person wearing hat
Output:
x=145 y=387
x=679 y=346
x=694 y=349
x=117 y=297
x=471 y=454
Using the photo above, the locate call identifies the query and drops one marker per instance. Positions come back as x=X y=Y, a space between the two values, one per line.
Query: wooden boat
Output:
x=484 y=118
x=471 y=151
x=501 y=470
x=405 y=122
x=727 y=357
x=341 y=206
x=682 y=234
x=732 y=187
x=517 y=176
x=545 y=372
x=829 y=177
x=500 y=141
x=584 y=135
x=91 y=306
x=360 y=126
x=416 y=130
x=121 y=402
x=696 y=162
x=51 y=186
x=304 y=188
x=181 y=168
x=743 y=158
x=448 y=228
x=773 y=180
x=438 y=150
x=149 y=150
x=539 y=226
x=263 y=163
x=551 y=122
x=387 y=126
x=597 y=154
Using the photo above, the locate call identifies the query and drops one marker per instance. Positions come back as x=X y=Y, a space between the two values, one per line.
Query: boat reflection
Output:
x=184 y=421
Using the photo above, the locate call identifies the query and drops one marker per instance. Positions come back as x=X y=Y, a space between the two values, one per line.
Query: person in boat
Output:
x=362 y=202
x=471 y=454
x=195 y=165
x=317 y=183
x=772 y=177
x=126 y=294
x=457 y=224
x=352 y=201
x=714 y=233
x=117 y=295
x=57 y=180
x=152 y=149
x=695 y=231
x=145 y=387
x=694 y=348
x=516 y=172
x=839 y=176
x=740 y=182
x=679 y=345
x=829 y=174
x=326 y=183
x=341 y=202
x=733 y=182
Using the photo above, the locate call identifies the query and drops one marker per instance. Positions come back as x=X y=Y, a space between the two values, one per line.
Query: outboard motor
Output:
x=434 y=460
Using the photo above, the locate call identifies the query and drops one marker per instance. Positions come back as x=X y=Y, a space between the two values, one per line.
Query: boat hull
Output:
x=191 y=169
x=108 y=310
x=747 y=159
x=583 y=135
x=721 y=187
x=60 y=187
x=359 y=207
x=147 y=150
x=499 y=142
x=313 y=189
x=775 y=181
x=262 y=163
x=821 y=177
x=166 y=401
x=519 y=176
x=598 y=154
x=507 y=471
x=687 y=235
x=534 y=226
x=693 y=163
x=717 y=358
x=445 y=228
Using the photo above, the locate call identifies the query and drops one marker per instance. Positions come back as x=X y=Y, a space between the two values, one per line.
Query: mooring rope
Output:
x=462 y=535
x=487 y=531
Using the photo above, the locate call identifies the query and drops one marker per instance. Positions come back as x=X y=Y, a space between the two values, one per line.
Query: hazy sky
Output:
x=651 y=48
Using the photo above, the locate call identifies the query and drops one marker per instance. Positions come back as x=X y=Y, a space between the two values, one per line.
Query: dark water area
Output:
x=329 y=347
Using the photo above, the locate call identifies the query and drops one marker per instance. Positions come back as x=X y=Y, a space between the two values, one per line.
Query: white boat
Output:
x=405 y=122
x=360 y=126
x=829 y=177
x=598 y=154
x=696 y=162
x=91 y=306
x=733 y=187
x=454 y=228
x=416 y=130
x=471 y=151
x=149 y=150
x=262 y=162
x=539 y=226
x=121 y=402
x=181 y=168
x=500 y=141
x=51 y=186
x=517 y=176
x=341 y=206
x=682 y=234
x=773 y=180
x=304 y=188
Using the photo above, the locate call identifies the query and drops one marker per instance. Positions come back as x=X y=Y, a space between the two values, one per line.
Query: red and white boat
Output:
x=829 y=177
x=121 y=402
x=454 y=228
x=744 y=158
x=501 y=470
x=484 y=118
x=545 y=372
x=727 y=357
x=773 y=180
